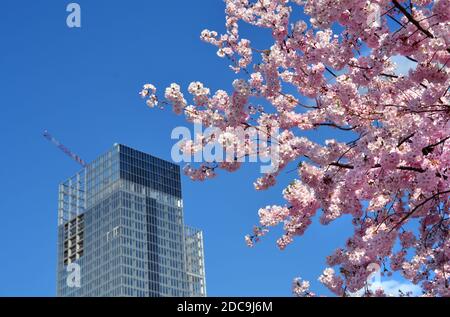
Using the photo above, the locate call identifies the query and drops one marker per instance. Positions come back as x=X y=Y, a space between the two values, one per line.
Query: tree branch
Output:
x=417 y=207
x=430 y=148
x=414 y=21
x=405 y=139
x=329 y=124
x=330 y=71
x=402 y=168
x=411 y=19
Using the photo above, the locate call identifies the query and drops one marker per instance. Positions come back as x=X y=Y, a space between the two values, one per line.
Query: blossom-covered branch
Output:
x=393 y=179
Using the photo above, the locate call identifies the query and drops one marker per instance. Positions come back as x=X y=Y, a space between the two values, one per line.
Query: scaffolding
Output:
x=72 y=198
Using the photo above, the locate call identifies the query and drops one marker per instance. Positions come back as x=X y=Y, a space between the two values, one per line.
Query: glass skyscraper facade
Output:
x=121 y=227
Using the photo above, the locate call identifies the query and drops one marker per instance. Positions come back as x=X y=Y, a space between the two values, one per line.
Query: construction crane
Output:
x=61 y=146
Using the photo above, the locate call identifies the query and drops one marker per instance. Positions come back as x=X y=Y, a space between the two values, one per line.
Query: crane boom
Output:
x=63 y=148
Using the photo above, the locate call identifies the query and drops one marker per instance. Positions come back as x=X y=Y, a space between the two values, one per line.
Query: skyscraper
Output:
x=121 y=230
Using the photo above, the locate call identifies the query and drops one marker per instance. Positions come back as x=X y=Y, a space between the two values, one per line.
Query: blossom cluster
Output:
x=394 y=174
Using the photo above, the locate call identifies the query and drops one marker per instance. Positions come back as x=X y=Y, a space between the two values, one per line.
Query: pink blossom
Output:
x=393 y=177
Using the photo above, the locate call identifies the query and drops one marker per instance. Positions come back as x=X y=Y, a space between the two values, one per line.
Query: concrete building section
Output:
x=121 y=221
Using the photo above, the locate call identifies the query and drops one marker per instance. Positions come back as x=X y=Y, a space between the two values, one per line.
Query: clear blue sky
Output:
x=82 y=85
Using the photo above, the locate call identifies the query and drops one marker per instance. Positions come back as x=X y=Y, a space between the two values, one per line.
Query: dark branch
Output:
x=405 y=139
x=402 y=168
x=412 y=59
x=330 y=71
x=411 y=18
x=417 y=207
x=430 y=148
x=329 y=124
x=414 y=21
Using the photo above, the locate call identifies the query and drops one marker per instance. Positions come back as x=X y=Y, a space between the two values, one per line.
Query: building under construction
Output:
x=120 y=221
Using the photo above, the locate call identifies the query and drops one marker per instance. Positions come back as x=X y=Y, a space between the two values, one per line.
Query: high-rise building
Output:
x=121 y=230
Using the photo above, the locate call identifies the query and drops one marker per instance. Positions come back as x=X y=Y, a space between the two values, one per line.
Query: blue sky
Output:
x=82 y=85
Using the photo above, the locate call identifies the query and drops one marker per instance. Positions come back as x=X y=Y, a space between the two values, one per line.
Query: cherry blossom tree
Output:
x=335 y=69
